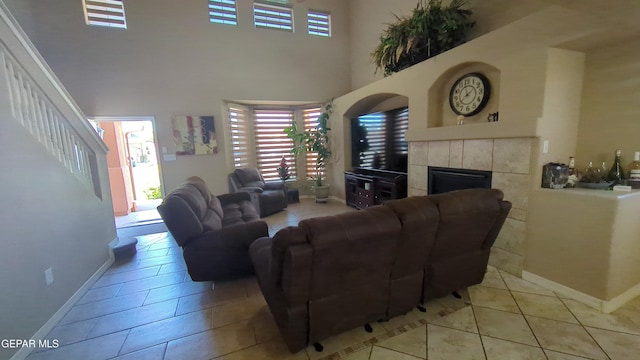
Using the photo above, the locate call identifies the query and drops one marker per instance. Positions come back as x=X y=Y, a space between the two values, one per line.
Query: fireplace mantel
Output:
x=488 y=130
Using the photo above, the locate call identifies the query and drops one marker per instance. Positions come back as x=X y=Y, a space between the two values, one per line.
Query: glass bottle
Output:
x=616 y=173
x=634 y=171
x=573 y=173
x=589 y=174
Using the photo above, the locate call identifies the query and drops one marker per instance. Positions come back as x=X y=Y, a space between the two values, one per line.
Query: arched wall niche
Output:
x=376 y=102
x=440 y=113
x=368 y=104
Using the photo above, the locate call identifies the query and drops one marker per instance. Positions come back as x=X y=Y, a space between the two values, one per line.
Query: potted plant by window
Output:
x=431 y=30
x=315 y=141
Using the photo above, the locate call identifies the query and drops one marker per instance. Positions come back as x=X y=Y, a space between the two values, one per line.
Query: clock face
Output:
x=469 y=94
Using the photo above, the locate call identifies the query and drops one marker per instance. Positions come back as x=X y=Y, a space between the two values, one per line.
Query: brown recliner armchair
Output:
x=215 y=232
x=267 y=196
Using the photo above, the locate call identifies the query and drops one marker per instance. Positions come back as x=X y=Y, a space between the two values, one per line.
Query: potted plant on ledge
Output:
x=430 y=30
x=315 y=141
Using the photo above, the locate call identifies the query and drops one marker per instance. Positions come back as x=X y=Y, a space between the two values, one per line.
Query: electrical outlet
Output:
x=545 y=146
x=48 y=276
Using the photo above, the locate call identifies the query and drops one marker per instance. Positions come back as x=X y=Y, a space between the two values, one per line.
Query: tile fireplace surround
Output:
x=508 y=159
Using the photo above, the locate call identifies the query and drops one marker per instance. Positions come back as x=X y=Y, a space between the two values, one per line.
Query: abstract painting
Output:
x=194 y=135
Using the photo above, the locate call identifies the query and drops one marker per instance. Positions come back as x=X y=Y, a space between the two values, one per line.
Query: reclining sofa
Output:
x=330 y=274
x=215 y=232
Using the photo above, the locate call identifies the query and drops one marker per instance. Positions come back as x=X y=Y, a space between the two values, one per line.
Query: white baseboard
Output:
x=340 y=200
x=51 y=323
x=620 y=300
x=605 y=306
x=334 y=198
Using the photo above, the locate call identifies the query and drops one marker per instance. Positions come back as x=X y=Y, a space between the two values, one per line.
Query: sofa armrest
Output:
x=274 y=185
x=505 y=207
x=251 y=189
x=292 y=282
x=233 y=198
x=239 y=236
x=260 y=252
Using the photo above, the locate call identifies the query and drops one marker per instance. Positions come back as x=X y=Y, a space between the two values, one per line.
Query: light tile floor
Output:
x=148 y=308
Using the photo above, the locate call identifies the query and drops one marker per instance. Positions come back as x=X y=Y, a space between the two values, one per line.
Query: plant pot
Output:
x=322 y=193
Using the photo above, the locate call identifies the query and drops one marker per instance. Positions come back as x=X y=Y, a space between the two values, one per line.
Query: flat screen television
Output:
x=377 y=140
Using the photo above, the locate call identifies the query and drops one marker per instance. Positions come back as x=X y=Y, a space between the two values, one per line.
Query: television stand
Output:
x=369 y=187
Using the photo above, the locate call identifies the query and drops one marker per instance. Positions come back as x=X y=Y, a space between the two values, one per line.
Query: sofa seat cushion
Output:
x=211 y=221
x=273 y=195
x=216 y=206
x=254 y=184
x=239 y=213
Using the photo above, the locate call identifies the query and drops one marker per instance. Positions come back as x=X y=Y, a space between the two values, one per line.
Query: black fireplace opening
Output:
x=441 y=179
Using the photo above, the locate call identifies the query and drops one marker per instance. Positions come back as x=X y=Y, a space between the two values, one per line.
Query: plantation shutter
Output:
x=108 y=13
x=223 y=12
x=310 y=119
x=376 y=126
x=272 y=17
x=319 y=23
x=239 y=126
x=271 y=142
x=400 y=120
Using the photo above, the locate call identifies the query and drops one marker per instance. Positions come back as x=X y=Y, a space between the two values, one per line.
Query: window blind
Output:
x=376 y=132
x=238 y=124
x=400 y=121
x=310 y=119
x=319 y=23
x=223 y=12
x=272 y=144
x=108 y=13
x=272 y=17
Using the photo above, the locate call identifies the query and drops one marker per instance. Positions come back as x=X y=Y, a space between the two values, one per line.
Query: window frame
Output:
x=220 y=12
x=317 y=16
x=111 y=12
x=300 y=168
x=268 y=133
x=269 y=13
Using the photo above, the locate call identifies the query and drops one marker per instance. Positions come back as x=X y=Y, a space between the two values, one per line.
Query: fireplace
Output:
x=448 y=179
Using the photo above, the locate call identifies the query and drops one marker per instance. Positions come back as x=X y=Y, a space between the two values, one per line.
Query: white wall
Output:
x=49 y=218
x=610 y=106
x=172 y=61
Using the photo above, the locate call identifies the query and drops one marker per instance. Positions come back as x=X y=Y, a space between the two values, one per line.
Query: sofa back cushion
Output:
x=249 y=177
x=200 y=185
x=467 y=219
x=353 y=254
x=187 y=213
x=419 y=217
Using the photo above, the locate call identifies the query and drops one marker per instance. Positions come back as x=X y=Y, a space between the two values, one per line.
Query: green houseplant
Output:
x=431 y=30
x=316 y=141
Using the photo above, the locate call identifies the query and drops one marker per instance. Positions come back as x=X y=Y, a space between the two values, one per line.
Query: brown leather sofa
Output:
x=267 y=196
x=334 y=273
x=215 y=232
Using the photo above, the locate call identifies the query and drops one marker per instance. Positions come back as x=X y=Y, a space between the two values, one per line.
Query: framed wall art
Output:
x=194 y=135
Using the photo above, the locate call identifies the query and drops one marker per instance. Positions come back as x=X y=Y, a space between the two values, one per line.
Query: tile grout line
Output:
x=475 y=319
x=584 y=328
x=359 y=345
x=523 y=315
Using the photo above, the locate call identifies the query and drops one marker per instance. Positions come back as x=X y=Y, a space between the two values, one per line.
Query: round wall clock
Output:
x=469 y=94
